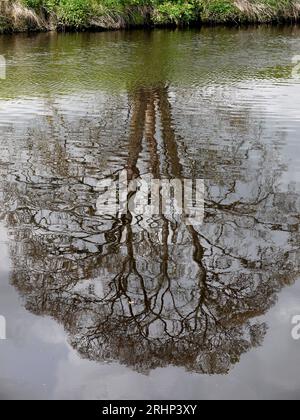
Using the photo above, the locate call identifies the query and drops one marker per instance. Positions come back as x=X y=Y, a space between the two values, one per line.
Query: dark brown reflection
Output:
x=192 y=300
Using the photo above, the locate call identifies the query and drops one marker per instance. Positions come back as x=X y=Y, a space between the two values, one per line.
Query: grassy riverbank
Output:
x=24 y=15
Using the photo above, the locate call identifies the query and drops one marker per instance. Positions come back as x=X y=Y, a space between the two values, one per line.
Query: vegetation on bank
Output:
x=22 y=15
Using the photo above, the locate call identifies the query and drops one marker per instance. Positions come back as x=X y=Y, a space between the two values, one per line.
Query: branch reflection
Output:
x=192 y=300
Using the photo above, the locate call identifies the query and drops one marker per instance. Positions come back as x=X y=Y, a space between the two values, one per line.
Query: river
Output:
x=102 y=306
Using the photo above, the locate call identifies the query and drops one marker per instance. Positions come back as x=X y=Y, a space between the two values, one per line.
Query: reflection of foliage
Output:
x=85 y=62
x=191 y=300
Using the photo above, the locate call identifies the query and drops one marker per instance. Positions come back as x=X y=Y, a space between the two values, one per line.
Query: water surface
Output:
x=96 y=306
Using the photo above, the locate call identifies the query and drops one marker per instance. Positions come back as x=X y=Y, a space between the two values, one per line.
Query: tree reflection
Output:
x=191 y=300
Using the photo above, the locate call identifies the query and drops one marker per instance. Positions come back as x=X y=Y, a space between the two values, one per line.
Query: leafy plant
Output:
x=74 y=12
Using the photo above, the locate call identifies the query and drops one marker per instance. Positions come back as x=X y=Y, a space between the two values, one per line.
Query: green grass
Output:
x=79 y=14
x=218 y=10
